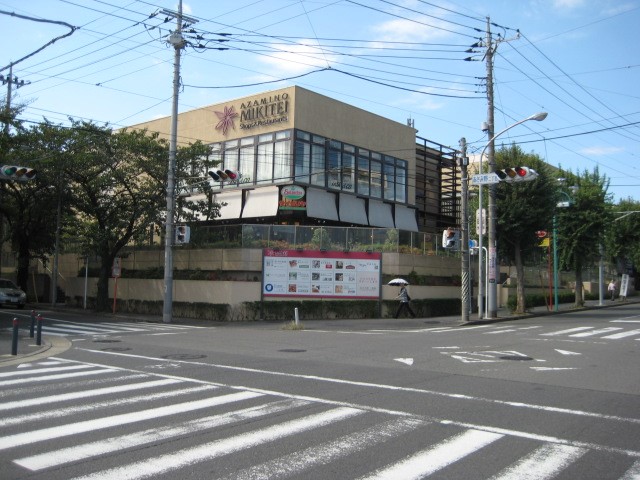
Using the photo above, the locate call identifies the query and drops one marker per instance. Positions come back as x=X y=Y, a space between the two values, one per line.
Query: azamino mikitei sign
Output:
x=293 y=273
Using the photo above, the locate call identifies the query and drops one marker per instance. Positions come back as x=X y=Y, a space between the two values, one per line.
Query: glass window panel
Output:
x=231 y=159
x=349 y=148
x=376 y=179
x=282 y=162
x=401 y=184
x=319 y=139
x=264 y=169
x=348 y=172
x=302 y=161
x=389 y=182
x=363 y=175
x=334 y=165
x=303 y=135
x=265 y=138
x=247 y=141
x=247 y=163
x=283 y=135
x=318 y=167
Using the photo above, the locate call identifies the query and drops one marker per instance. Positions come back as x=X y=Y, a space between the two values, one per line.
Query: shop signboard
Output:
x=318 y=274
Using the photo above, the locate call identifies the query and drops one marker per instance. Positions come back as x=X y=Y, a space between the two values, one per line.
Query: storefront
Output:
x=303 y=158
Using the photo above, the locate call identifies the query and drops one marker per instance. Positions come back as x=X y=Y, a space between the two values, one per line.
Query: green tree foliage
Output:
x=522 y=209
x=581 y=226
x=622 y=240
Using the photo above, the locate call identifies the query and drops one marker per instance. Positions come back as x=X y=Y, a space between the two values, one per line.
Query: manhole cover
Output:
x=184 y=356
x=292 y=350
x=106 y=341
x=516 y=358
x=116 y=349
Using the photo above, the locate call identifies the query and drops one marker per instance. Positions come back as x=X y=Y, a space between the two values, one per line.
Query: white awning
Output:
x=321 y=204
x=352 y=210
x=261 y=202
x=233 y=205
x=380 y=214
x=406 y=218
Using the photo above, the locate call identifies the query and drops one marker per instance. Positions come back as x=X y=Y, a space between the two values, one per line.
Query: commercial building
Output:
x=301 y=158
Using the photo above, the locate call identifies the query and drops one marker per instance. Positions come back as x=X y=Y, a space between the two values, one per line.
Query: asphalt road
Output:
x=548 y=397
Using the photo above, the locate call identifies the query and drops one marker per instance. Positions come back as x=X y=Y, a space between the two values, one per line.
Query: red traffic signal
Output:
x=516 y=174
x=222 y=175
x=19 y=174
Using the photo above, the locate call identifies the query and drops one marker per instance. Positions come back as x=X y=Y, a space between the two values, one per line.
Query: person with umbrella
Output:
x=404 y=298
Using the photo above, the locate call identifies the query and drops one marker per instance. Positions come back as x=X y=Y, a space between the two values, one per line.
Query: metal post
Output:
x=464 y=250
x=14 y=338
x=555 y=266
x=33 y=323
x=39 y=330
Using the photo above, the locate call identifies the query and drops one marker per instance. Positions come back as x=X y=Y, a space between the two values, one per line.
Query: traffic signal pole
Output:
x=464 y=247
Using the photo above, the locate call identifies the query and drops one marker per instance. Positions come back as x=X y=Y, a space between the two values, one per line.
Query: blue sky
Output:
x=575 y=59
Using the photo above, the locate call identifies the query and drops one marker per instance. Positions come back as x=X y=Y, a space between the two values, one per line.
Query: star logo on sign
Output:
x=226 y=119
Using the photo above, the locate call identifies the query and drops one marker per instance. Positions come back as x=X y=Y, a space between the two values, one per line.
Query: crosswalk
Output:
x=63 y=328
x=85 y=421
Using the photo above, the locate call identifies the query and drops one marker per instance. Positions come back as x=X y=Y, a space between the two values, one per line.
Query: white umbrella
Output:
x=397 y=282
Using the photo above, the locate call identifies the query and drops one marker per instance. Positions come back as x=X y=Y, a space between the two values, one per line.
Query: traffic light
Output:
x=517 y=174
x=223 y=175
x=18 y=174
x=450 y=238
x=183 y=234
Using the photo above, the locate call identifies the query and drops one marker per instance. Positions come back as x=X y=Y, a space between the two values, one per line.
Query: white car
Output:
x=10 y=294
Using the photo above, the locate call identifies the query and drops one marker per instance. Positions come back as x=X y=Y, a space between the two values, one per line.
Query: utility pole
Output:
x=492 y=250
x=178 y=42
x=463 y=162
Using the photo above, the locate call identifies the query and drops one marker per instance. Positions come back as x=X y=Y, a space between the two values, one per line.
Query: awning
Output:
x=406 y=218
x=321 y=204
x=352 y=210
x=261 y=202
x=380 y=214
x=233 y=208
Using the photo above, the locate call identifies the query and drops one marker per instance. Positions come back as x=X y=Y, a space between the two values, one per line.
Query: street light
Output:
x=492 y=252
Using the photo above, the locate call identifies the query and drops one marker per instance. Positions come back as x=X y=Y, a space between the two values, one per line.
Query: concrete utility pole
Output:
x=177 y=40
x=492 y=250
x=463 y=162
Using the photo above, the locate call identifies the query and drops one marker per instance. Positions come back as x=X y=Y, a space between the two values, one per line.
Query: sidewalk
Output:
x=28 y=351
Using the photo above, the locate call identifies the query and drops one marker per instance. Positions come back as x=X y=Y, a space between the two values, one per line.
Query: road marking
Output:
x=60 y=376
x=152 y=435
x=596 y=332
x=27 y=438
x=437 y=457
x=629 y=333
x=633 y=473
x=567 y=352
x=43 y=370
x=316 y=378
x=173 y=461
x=545 y=369
x=544 y=463
x=570 y=330
x=408 y=361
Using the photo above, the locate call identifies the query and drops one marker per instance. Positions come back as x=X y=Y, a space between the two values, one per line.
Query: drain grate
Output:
x=183 y=356
x=516 y=358
x=105 y=340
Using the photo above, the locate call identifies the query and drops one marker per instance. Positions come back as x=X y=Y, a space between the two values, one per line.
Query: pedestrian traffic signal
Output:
x=450 y=238
x=183 y=234
x=223 y=175
x=18 y=174
x=517 y=174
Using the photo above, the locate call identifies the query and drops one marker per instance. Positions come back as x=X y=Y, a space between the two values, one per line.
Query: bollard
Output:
x=33 y=323
x=14 y=339
x=39 y=330
x=297 y=317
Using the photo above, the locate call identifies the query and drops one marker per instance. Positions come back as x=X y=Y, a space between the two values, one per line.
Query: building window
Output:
x=264 y=163
x=363 y=173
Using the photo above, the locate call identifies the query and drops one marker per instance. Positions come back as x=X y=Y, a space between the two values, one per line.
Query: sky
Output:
x=405 y=60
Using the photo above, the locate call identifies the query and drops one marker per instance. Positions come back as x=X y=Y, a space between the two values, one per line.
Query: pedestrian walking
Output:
x=404 y=303
x=612 y=289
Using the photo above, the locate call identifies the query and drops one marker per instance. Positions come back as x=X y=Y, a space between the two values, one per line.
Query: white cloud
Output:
x=601 y=151
x=400 y=30
x=298 y=58
x=567 y=4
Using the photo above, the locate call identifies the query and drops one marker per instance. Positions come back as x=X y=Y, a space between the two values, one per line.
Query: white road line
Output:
x=35 y=371
x=50 y=330
x=598 y=331
x=73 y=410
x=298 y=462
x=173 y=461
x=625 y=321
x=60 y=376
x=94 y=327
x=50 y=433
x=542 y=464
x=152 y=435
x=437 y=457
x=380 y=386
x=64 y=397
x=562 y=332
x=628 y=333
x=633 y=473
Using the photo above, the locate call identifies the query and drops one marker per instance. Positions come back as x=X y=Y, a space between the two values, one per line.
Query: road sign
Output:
x=485 y=178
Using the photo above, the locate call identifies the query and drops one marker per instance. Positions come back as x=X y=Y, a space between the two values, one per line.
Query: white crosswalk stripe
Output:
x=63 y=328
x=151 y=415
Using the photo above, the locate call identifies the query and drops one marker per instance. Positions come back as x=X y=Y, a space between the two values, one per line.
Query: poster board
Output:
x=318 y=274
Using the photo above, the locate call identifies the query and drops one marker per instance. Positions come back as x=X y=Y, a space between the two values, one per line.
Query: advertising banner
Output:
x=293 y=273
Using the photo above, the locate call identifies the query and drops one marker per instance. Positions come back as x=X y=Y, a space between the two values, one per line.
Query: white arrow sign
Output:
x=485 y=178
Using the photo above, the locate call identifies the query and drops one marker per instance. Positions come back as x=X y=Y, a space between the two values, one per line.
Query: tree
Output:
x=581 y=227
x=622 y=238
x=522 y=209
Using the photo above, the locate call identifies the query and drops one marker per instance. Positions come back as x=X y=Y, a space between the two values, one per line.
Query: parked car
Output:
x=10 y=294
